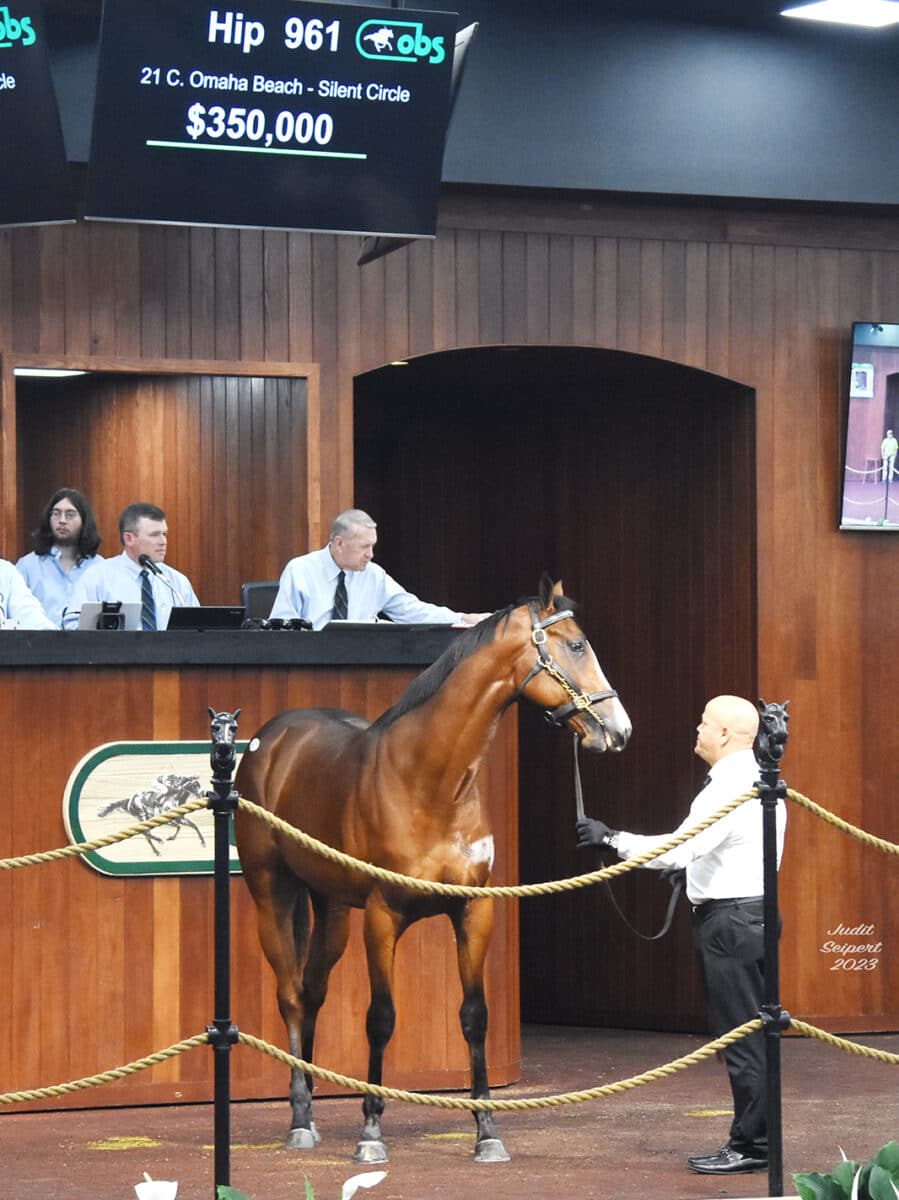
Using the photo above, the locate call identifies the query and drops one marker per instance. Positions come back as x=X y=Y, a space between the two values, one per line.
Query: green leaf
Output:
x=880 y=1184
x=811 y=1185
x=223 y=1192
x=310 y=1194
x=888 y=1158
x=844 y=1174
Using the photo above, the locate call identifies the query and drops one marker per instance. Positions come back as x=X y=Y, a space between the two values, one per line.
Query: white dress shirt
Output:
x=19 y=609
x=50 y=583
x=119 y=578
x=725 y=860
x=307 y=585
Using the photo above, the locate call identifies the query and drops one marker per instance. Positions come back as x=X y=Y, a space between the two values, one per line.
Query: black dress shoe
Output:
x=727 y=1161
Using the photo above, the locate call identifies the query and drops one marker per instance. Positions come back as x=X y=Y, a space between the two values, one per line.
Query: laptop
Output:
x=91 y=610
x=207 y=616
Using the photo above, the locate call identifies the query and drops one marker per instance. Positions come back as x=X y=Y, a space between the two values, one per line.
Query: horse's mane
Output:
x=430 y=681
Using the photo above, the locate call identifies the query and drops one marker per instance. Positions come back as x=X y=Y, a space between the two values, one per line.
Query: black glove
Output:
x=593 y=833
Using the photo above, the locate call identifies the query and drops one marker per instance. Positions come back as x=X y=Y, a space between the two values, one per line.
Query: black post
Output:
x=222 y=1034
x=770 y=747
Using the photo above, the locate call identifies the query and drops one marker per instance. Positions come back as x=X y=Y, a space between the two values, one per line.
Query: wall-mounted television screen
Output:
x=34 y=174
x=292 y=114
x=871 y=467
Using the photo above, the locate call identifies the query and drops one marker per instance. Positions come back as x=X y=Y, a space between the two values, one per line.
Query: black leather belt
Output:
x=708 y=906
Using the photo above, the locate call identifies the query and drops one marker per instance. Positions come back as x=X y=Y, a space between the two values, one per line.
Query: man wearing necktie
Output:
x=140 y=572
x=340 y=582
x=724 y=884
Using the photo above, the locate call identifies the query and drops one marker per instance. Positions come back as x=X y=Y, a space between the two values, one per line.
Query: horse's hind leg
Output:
x=282 y=905
x=382 y=929
x=330 y=933
x=473 y=924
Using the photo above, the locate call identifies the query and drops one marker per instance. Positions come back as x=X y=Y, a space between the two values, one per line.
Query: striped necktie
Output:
x=340 y=600
x=147 y=603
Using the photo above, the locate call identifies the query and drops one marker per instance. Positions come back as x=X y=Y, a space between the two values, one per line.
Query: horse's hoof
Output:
x=490 y=1150
x=302 y=1139
x=370 y=1152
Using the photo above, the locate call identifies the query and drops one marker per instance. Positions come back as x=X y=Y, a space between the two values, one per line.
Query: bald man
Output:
x=724 y=874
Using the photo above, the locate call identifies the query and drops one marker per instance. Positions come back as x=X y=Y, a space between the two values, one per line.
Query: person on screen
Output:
x=19 y=607
x=888 y=448
x=151 y=582
x=341 y=583
x=65 y=549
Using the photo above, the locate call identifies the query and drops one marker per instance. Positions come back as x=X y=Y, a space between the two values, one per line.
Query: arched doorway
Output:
x=633 y=480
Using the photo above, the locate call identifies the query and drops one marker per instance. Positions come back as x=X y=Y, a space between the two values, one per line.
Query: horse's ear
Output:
x=545 y=590
x=236 y=713
x=761 y=705
x=212 y=712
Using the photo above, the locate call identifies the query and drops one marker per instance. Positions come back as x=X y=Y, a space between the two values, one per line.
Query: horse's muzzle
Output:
x=610 y=733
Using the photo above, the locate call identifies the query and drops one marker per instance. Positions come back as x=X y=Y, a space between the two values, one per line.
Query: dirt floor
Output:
x=634 y=1144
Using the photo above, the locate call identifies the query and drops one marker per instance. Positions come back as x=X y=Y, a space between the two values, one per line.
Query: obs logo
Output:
x=397 y=41
x=12 y=29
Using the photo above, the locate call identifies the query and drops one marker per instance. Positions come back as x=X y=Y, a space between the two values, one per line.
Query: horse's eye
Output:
x=576 y=647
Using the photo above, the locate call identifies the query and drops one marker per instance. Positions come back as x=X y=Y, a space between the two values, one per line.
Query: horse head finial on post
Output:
x=771 y=741
x=223 y=728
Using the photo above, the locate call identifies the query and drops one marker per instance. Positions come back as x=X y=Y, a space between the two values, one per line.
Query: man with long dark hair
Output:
x=65 y=550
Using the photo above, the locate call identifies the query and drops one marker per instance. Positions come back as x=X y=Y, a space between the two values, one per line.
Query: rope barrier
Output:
x=853 y=830
x=89 y=1081
x=457 y=1102
x=581 y=1096
x=30 y=860
x=507 y=890
x=554 y=886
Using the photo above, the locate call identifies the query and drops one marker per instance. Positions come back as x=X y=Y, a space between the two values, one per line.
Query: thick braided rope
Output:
x=579 y=1097
x=45 y=856
x=853 y=830
x=506 y=890
x=842 y=1044
x=89 y=1081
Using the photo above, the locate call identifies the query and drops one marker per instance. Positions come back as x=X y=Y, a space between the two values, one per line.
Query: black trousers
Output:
x=729 y=938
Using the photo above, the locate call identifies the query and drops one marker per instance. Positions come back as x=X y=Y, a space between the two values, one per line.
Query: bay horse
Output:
x=402 y=793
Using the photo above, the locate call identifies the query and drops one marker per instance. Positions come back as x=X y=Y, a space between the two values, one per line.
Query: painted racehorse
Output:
x=402 y=793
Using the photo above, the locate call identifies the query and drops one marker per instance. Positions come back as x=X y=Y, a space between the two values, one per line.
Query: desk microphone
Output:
x=146 y=561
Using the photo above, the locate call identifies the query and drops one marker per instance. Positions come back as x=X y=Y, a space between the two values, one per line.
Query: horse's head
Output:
x=223 y=726
x=561 y=672
x=771 y=740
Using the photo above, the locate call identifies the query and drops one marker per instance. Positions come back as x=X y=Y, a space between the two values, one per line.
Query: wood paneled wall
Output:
x=765 y=298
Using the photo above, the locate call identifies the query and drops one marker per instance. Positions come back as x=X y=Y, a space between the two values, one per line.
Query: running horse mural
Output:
x=402 y=793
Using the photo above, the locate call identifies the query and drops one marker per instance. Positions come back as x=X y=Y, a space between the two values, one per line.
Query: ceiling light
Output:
x=46 y=372
x=870 y=13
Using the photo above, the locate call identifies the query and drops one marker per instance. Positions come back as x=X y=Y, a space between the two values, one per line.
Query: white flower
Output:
x=366 y=1180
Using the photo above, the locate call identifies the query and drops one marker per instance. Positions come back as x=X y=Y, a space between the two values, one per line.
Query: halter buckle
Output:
x=538 y=636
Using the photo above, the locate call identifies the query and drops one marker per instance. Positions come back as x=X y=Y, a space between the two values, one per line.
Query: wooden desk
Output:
x=99 y=971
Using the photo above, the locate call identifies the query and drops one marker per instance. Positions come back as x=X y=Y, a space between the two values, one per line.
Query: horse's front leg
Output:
x=473 y=924
x=382 y=929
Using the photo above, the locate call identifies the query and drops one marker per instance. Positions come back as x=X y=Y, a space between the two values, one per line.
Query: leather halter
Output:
x=579 y=701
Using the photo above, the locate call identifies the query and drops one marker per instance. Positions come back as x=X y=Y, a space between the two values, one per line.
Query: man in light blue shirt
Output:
x=157 y=586
x=65 y=549
x=309 y=584
x=19 y=609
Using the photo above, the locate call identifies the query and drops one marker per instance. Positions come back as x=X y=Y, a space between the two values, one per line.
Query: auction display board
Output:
x=285 y=114
x=34 y=175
